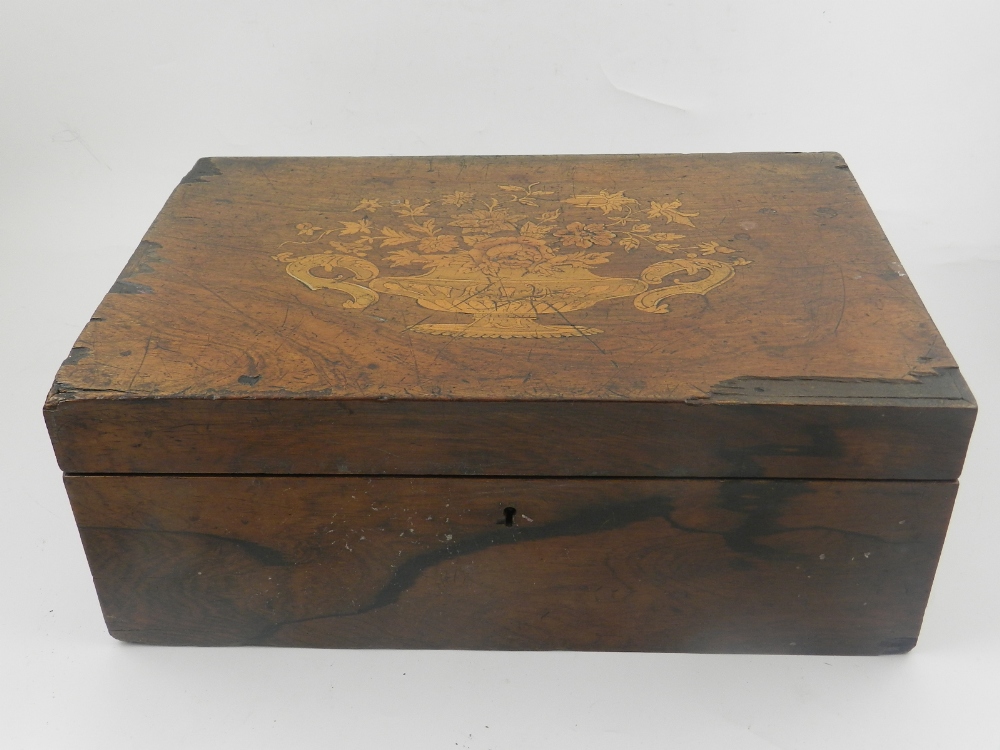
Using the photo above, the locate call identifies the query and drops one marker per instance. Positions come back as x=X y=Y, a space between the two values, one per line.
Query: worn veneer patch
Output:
x=516 y=278
x=141 y=262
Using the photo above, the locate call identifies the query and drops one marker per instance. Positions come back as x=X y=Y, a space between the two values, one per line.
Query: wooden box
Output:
x=653 y=403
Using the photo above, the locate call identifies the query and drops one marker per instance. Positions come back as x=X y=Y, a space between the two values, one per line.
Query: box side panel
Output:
x=603 y=564
x=923 y=439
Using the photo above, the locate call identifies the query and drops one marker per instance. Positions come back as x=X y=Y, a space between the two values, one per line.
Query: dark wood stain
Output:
x=203 y=168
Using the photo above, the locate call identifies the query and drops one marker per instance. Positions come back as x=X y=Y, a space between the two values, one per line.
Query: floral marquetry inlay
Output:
x=509 y=257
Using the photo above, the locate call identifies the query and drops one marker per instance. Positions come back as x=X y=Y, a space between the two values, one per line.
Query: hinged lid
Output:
x=677 y=315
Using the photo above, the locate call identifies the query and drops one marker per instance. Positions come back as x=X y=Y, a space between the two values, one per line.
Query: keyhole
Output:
x=508 y=516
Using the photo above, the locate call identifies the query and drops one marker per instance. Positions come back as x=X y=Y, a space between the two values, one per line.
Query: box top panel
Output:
x=588 y=277
x=646 y=278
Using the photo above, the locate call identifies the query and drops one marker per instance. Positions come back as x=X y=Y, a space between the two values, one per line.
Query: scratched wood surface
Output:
x=676 y=279
x=650 y=565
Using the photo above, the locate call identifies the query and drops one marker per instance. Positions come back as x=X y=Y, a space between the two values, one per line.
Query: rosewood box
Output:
x=644 y=403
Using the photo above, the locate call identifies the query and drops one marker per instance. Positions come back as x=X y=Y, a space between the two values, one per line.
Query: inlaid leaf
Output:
x=710 y=248
x=606 y=201
x=425 y=228
x=458 y=198
x=670 y=211
x=406 y=209
x=403 y=258
x=392 y=237
x=308 y=229
x=368 y=204
x=354 y=227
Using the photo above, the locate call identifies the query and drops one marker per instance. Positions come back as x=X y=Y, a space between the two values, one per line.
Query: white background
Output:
x=105 y=105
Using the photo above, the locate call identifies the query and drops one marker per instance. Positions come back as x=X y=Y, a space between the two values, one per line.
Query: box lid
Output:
x=726 y=315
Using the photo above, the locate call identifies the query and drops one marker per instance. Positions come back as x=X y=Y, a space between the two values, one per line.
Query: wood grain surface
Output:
x=647 y=565
x=375 y=286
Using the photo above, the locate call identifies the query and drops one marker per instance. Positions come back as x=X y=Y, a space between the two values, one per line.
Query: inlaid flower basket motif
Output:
x=505 y=266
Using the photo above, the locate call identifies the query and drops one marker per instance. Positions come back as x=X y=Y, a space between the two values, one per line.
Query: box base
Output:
x=710 y=566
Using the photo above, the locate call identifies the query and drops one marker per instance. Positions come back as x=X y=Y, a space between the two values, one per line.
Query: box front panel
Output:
x=765 y=566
